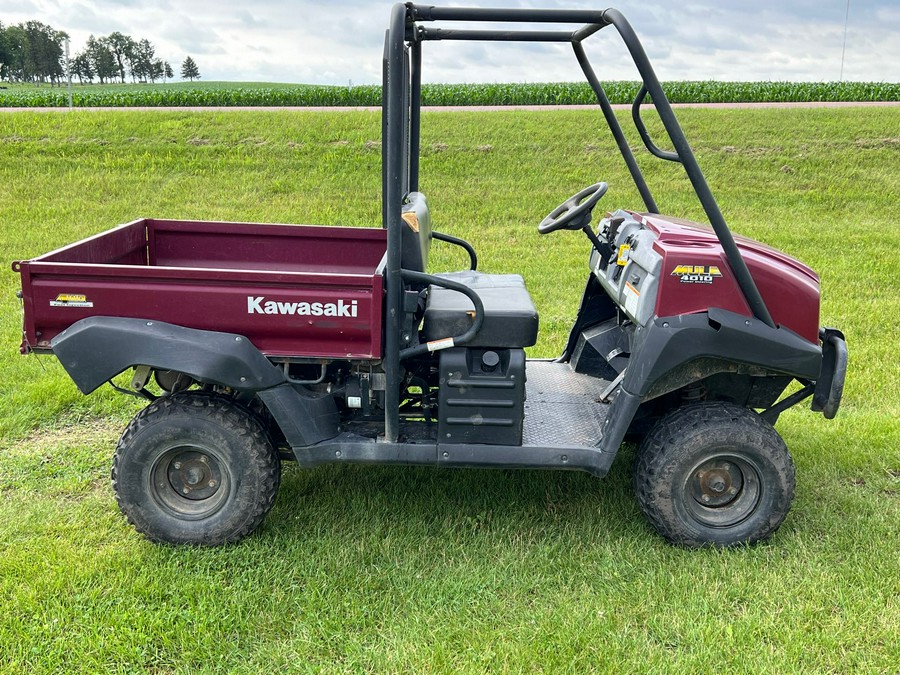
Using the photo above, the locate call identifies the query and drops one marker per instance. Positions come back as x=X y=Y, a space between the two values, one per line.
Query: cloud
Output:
x=181 y=29
x=248 y=20
x=23 y=6
x=341 y=41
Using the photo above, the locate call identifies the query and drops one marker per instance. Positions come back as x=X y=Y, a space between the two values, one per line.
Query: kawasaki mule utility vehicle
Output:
x=333 y=344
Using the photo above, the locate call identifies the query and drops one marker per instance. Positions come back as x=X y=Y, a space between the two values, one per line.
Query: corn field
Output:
x=214 y=94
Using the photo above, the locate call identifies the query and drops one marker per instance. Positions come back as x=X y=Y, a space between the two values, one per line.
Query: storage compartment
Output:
x=602 y=351
x=291 y=289
x=482 y=396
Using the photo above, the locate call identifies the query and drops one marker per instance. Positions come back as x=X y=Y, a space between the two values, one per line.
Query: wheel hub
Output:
x=194 y=475
x=716 y=483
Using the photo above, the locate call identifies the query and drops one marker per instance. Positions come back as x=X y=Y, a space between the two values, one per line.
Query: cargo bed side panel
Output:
x=261 y=288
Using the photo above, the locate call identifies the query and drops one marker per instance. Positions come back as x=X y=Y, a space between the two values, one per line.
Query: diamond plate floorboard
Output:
x=562 y=407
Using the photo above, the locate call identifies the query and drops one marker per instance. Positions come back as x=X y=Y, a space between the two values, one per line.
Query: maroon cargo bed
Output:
x=291 y=289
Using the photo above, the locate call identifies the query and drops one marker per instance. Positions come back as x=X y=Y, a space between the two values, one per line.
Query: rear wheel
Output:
x=195 y=468
x=714 y=474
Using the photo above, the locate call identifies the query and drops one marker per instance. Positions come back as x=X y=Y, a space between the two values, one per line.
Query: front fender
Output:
x=96 y=349
x=668 y=342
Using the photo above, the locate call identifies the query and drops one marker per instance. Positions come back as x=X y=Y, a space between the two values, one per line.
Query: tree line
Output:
x=35 y=52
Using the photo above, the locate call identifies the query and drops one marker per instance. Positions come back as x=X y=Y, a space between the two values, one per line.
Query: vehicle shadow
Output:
x=408 y=502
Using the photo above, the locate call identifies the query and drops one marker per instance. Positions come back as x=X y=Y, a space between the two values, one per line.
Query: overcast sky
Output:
x=341 y=41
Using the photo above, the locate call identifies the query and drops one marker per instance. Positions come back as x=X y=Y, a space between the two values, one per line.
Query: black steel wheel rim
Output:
x=190 y=481
x=723 y=490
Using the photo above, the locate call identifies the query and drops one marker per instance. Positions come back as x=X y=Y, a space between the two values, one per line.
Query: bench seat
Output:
x=510 y=318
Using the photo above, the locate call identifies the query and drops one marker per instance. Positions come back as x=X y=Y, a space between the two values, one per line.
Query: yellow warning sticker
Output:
x=71 y=300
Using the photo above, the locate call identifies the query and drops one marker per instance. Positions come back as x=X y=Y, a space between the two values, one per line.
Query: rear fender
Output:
x=96 y=349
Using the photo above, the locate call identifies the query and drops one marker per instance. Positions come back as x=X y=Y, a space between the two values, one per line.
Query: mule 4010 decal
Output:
x=696 y=274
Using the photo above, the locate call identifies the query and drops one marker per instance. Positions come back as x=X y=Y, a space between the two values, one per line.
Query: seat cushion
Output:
x=510 y=318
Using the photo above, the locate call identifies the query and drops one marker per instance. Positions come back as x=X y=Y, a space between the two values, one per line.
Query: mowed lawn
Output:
x=414 y=569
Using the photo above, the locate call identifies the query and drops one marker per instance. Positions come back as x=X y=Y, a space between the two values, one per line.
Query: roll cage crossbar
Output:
x=401 y=116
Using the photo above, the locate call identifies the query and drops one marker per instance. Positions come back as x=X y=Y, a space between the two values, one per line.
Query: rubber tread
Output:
x=675 y=438
x=233 y=418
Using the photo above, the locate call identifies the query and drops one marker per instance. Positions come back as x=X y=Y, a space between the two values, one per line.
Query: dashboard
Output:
x=630 y=273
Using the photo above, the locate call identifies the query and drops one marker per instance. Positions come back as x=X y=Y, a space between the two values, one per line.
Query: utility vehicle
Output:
x=333 y=344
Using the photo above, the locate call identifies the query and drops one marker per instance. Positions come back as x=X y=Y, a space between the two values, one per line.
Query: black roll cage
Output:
x=401 y=117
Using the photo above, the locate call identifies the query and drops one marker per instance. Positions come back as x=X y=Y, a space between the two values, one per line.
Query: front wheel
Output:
x=714 y=474
x=195 y=468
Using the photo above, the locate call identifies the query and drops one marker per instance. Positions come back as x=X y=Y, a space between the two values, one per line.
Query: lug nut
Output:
x=204 y=459
x=212 y=483
x=177 y=465
x=706 y=498
x=185 y=489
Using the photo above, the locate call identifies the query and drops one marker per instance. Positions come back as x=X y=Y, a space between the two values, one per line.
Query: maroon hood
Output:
x=681 y=231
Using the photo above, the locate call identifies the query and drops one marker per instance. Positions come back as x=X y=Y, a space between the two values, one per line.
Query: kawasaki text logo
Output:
x=259 y=305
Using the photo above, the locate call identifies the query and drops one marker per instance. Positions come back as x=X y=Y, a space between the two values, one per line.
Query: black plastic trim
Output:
x=830 y=383
x=303 y=417
x=98 y=348
x=596 y=307
x=352 y=449
x=621 y=415
x=668 y=342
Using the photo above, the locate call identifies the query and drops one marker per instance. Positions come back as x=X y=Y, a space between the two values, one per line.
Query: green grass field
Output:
x=419 y=570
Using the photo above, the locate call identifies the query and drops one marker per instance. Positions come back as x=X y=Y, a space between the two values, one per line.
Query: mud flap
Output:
x=622 y=413
x=830 y=383
x=304 y=417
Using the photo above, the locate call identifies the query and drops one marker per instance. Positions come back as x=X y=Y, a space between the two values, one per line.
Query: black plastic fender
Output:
x=96 y=349
x=668 y=342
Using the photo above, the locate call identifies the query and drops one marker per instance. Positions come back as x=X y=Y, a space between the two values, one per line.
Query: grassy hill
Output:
x=390 y=569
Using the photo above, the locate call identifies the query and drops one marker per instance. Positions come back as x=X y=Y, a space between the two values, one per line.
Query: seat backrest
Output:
x=416 y=238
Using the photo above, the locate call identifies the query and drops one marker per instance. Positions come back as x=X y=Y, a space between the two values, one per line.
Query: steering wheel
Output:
x=575 y=212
